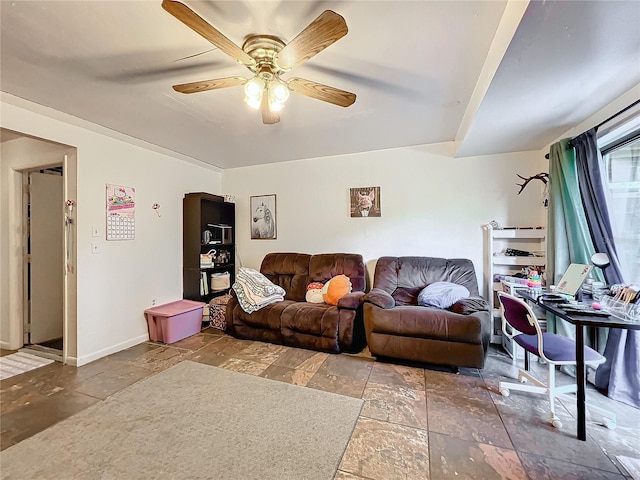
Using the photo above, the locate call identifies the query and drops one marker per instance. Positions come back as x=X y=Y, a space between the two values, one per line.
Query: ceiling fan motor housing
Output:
x=263 y=49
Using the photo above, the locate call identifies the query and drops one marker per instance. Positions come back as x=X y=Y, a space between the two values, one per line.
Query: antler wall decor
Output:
x=543 y=176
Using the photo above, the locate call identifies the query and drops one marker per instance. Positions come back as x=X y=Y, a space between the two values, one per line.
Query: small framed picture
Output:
x=263 y=217
x=365 y=201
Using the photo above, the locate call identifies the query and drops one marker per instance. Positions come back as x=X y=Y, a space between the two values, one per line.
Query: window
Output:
x=621 y=180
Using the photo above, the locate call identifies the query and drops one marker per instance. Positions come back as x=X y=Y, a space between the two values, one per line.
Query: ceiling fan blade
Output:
x=205 y=85
x=268 y=117
x=201 y=26
x=321 y=92
x=328 y=28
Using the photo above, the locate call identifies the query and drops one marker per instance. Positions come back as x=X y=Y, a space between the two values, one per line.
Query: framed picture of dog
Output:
x=263 y=217
x=365 y=201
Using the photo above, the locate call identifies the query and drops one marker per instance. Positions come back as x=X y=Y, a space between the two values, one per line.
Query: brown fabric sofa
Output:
x=397 y=327
x=296 y=323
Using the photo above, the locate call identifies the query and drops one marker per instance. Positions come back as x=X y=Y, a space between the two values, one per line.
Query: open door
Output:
x=46 y=259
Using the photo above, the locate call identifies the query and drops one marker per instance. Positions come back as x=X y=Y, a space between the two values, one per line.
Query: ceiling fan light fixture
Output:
x=254 y=87
x=278 y=94
x=279 y=90
x=253 y=90
x=254 y=102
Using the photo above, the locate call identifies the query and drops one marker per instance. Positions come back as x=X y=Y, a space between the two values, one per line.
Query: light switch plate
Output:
x=95 y=248
x=95 y=232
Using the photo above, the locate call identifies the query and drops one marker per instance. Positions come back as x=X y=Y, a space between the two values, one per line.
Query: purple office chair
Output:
x=552 y=348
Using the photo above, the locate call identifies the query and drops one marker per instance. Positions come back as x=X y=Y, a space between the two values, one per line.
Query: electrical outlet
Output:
x=95 y=248
x=153 y=302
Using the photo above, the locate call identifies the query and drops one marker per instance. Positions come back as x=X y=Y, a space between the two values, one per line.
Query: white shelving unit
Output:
x=496 y=263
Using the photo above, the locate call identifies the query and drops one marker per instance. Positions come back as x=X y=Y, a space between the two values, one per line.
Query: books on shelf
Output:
x=204 y=284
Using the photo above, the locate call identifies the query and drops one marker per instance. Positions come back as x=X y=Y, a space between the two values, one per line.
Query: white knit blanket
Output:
x=255 y=291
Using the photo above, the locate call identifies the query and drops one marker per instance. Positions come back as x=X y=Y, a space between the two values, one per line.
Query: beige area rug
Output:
x=20 y=362
x=631 y=465
x=194 y=421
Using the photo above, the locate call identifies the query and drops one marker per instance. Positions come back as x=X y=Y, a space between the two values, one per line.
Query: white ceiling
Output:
x=423 y=72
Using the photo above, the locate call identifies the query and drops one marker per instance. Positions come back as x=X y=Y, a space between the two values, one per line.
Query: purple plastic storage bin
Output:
x=174 y=321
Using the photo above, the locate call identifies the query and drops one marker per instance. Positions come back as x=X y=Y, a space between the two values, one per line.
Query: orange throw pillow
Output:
x=335 y=289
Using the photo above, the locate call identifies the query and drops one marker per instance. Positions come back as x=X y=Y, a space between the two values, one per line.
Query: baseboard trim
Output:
x=79 y=361
x=5 y=345
x=73 y=361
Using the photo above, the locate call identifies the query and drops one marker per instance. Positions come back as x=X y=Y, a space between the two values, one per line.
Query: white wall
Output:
x=432 y=204
x=116 y=285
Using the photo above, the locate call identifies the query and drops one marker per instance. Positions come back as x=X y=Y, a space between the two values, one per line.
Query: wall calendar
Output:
x=121 y=207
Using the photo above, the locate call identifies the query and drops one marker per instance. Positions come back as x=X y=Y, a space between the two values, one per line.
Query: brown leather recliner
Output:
x=397 y=327
x=297 y=323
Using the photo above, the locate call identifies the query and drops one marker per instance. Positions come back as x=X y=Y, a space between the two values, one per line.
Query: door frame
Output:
x=17 y=249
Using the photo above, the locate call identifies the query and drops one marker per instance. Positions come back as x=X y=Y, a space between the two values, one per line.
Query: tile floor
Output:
x=416 y=423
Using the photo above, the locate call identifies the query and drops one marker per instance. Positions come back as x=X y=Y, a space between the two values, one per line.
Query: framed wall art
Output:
x=263 y=217
x=365 y=201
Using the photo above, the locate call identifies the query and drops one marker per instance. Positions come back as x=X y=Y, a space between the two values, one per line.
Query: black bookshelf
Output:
x=208 y=224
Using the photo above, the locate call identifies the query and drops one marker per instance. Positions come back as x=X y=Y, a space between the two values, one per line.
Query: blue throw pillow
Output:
x=441 y=294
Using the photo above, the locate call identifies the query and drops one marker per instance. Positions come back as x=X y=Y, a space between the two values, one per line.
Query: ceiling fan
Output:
x=268 y=57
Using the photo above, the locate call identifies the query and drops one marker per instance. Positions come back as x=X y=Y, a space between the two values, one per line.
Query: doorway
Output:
x=22 y=153
x=44 y=260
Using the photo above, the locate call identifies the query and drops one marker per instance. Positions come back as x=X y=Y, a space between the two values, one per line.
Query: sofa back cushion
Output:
x=404 y=277
x=290 y=271
x=325 y=266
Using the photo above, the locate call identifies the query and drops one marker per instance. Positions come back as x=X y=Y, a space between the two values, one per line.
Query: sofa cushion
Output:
x=467 y=306
x=441 y=294
x=325 y=266
x=265 y=318
x=404 y=277
x=311 y=325
x=425 y=322
x=290 y=271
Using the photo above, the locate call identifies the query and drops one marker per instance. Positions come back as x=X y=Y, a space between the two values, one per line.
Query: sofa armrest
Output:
x=485 y=321
x=470 y=305
x=380 y=298
x=351 y=300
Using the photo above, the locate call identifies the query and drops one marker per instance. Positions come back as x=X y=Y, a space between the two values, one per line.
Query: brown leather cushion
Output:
x=404 y=277
x=470 y=305
x=267 y=317
x=324 y=266
x=289 y=271
x=425 y=322
x=318 y=319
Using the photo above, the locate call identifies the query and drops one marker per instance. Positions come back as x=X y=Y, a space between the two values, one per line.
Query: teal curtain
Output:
x=569 y=240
